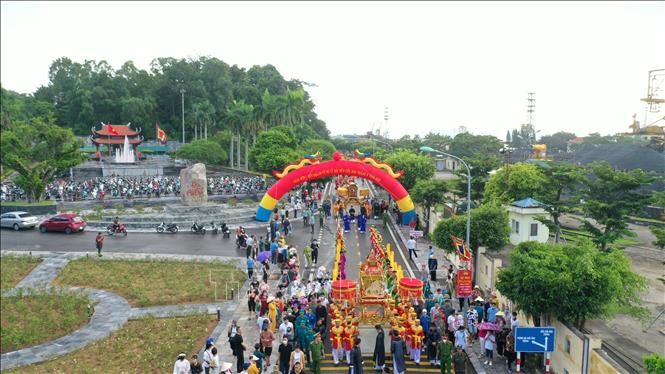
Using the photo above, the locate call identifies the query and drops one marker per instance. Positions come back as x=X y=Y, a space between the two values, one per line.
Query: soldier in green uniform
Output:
x=316 y=353
x=444 y=354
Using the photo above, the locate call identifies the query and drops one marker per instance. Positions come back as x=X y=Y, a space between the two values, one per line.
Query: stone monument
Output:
x=194 y=185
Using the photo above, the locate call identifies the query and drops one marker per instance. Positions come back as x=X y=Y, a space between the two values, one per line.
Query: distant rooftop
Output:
x=529 y=202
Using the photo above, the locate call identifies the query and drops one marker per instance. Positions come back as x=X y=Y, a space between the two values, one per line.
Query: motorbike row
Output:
x=197 y=228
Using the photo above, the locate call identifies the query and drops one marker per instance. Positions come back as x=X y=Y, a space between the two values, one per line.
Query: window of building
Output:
x=486 y=270
x=534 y=229
x=566 y=345
x=516 y=226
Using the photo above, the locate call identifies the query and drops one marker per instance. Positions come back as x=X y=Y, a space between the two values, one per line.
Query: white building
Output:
x=523 y=223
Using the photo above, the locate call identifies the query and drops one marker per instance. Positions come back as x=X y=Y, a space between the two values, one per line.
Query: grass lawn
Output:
x=143 y=346
x=576 y=235
x=25 y=203
x=15 y=268
x=34 y=319
x=154 y=282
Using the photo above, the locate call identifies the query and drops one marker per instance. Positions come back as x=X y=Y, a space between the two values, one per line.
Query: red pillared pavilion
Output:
x=113 y=136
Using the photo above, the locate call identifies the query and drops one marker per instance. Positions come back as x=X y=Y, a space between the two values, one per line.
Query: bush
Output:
x=205 y=151
x=655 y=363
x=119 y=208
x=233 y=201
x=139 y=208
x=158 y=208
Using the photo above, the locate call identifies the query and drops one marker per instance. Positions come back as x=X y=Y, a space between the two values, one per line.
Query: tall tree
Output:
x=428 y=193
x=39 y=151
x=571 y=282
x=489 y=228
x=610 y=196
x=415 y=166
x=466 y=145
x=559 y=195
x=480 y=165
x=516 y=182
x=557 y=142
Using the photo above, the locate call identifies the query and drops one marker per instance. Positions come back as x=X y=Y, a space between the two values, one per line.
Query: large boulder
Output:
x=194 y=185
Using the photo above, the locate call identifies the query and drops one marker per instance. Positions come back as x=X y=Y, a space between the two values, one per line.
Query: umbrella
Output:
x=489 y=326
x=263 y=256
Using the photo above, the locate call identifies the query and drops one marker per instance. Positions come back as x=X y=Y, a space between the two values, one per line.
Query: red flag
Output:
x=161 y=135
x=461 y=248
x=111 y=129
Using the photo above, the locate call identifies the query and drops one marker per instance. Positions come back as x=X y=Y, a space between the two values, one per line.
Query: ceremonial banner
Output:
x=464 y=283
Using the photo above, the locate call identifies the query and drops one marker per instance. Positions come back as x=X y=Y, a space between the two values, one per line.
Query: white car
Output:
x=18 y=220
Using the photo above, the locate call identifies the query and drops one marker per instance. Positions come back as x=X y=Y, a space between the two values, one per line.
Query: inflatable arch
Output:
x=366 y=167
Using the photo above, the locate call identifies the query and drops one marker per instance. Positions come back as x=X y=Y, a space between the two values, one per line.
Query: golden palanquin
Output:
x=350 y=194
x=372 y=283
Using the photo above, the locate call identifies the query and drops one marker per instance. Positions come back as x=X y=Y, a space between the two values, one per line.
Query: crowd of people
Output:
x=301 y=315
x=117 y=187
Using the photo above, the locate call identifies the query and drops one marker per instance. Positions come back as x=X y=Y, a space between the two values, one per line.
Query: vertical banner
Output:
x=464 y=283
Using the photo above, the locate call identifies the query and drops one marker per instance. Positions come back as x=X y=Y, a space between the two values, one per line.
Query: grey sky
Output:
x=436 y=65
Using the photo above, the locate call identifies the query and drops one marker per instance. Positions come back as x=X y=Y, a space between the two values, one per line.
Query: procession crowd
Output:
x=302 y=316
x=117 y=187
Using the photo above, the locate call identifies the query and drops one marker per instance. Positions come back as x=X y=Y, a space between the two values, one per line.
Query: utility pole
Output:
x=182 y=94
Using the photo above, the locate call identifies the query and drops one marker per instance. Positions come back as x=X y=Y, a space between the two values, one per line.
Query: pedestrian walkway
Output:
x=44 y=273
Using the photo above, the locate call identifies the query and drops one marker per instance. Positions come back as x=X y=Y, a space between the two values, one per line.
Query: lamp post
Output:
x=182 y=95
x=468 y=189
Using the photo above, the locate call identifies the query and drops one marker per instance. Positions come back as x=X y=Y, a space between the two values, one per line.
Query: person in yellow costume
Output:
x=417 y=336
x=272 y=313
x=349 y=335
x=337 y=341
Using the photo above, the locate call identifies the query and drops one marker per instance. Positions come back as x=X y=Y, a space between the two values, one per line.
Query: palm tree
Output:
x=239 y=115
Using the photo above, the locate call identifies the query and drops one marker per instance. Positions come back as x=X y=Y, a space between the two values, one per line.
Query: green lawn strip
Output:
x=154 y=282
x=15 y=268
x=37 y=318
x=25 y=203
x=576 y=235
x=147 y=345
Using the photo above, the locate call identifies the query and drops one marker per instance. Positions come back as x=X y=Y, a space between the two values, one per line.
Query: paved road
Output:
x=181 y=243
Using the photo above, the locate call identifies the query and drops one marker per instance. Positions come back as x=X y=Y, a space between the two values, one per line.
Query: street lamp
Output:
x=182 y=94
x=468 y=189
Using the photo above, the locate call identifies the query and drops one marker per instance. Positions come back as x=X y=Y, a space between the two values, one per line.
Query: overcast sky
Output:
x=435 y=65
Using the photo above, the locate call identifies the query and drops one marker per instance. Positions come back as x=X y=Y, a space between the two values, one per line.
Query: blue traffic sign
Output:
x=535 y=339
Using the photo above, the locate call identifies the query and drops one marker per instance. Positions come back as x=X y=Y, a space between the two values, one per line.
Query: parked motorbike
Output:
x=198 y=229
x=171 y=227
x=116 y=229
x=214 y=228
x=226 y=232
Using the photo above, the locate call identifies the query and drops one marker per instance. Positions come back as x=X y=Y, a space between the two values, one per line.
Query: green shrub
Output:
x=119 y=208
x=158 y=208
x=655 y=363
x=233 y=201
x=139 y=208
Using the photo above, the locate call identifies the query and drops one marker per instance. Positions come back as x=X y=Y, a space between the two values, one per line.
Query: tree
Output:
x=428 y=192
x=481 y=165
x=489 y=228
x=557 y=142
x=39 y=151
x=312 y=146
x=274 y=149
x=659 y=233
x=609 y=197
x=571 y=282
x=508 y=137
x=466 y=145
x=415 y=167
x=205 y=151
x=516 y=182
x=559 y=195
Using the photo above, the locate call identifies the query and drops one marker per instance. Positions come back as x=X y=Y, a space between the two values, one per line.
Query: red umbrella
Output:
x=489 y=326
